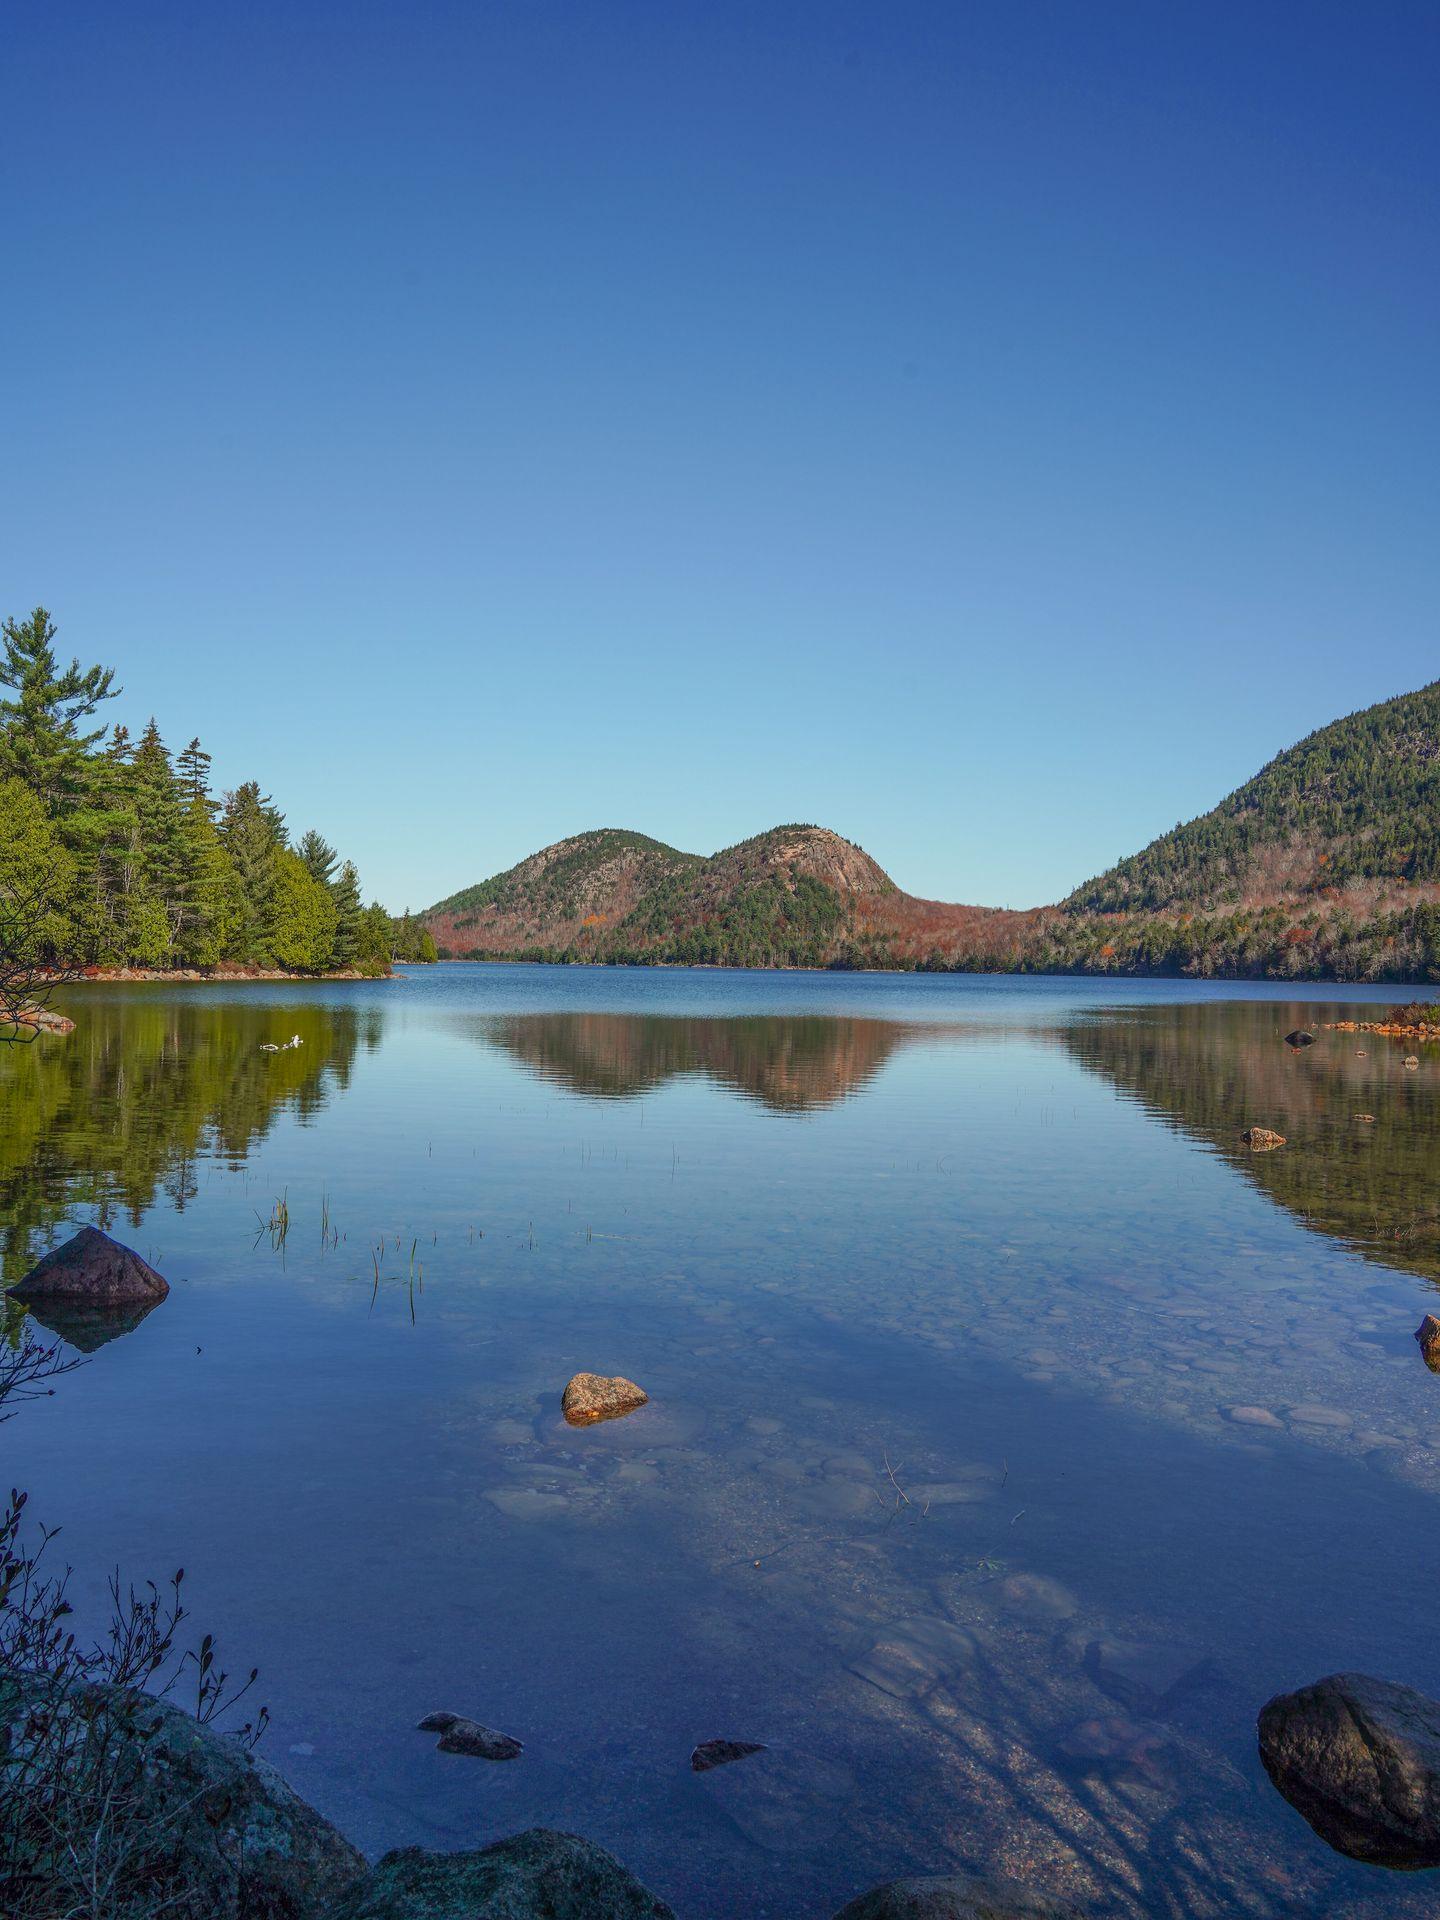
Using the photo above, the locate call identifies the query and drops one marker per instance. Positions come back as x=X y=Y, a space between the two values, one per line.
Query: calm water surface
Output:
x=944 y=1290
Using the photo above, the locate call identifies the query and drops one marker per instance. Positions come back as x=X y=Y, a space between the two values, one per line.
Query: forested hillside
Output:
x=796 y=896
x=114 y=852
x=1359 y=801
x=1325 y=866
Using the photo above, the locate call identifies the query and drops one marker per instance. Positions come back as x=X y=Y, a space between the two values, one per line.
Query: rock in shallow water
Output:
x=538 y=1875
x=722 y=1753
x=92 y=1271
x=480 y=1743
x=591 y=1396
x=1262 y=1139
x=459 y=1735
x=1037 y=1597
x=1360 y=1759
x=912 y=1655
x=1428 y=1334
x=1144 y=1677
x=954 y=1896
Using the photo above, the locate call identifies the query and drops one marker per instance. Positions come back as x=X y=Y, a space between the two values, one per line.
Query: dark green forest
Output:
x=117 y=852
x=1358 y=800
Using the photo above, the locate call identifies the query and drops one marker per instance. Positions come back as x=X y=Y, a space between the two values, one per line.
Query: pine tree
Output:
x=105 y=839
x=318 y=856
x=348 y=915
x=42 y=741
x=159 y=900
x=253 y=833
x=212 y=891
x=192 y=768
x=377 y=944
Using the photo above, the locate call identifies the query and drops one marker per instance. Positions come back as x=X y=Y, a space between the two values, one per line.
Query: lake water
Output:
x=944 y=1291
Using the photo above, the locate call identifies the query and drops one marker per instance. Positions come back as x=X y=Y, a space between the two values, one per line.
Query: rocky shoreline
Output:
x=226 y=1837
x=223 y=1835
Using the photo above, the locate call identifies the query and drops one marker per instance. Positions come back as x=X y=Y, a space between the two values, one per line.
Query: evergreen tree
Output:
x=105 y=839
x=348 y=916
x=42 y=741
x=319 y=857
x=376 y=938
x=253 y=834
x=159 y=899
x=212 y=890
x=192 y=768
x=36 y=873
x=301 y=935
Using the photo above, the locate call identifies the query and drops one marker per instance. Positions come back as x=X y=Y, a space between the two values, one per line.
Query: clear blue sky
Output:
x=990 y=428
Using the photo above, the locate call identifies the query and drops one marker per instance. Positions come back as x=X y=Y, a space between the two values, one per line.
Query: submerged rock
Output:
x=1038 y=1597
x=1146 y=1678
x=1360 y=1759
x=477 y=1741
x=1428 y=1334
x=1118 y=1748
x=591 y=1396
x=912 y=1655
x=1253 y=1417
x=91 y=1272
x=954 y=1896
x=537 y=1875
x=1410 y=1061
x=1262 y=1139
x=721 y=1753
x=211 y=1823
x=794 y=1799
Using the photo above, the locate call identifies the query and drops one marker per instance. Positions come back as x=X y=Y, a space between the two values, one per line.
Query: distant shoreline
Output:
x=214 y=976
x=1116 y=975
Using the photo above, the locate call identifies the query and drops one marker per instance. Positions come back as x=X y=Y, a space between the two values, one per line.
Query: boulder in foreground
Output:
x=591 y=1397
x=539 y=1875
x=1428 y=1334
x=954 y=1896
x=1360 y=1759
x=92 y=1271
x=211 y=1828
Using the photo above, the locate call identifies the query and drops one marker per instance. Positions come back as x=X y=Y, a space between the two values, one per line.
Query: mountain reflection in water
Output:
x=1211 y=1070
x=792 y=1064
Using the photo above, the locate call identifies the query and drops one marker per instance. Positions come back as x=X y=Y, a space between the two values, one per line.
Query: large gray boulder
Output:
x=538 y=1875
x=91 y=1272
x=954 y=1896
x=194 y=1820
x=1360 y=1758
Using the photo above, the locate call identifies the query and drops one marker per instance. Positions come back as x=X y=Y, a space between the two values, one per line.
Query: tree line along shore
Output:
x=116 y=855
